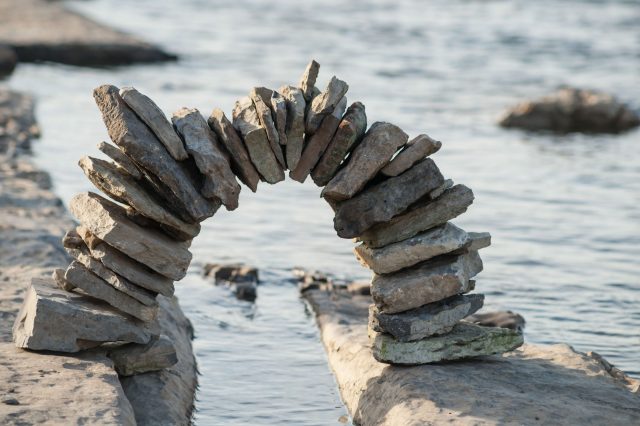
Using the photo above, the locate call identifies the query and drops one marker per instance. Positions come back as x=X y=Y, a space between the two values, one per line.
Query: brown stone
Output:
x=120 y=159
x=308 y=79
x=415 y=150
x=261 y=97
x=372 y=154
x=324 y=104
x=295 y=124
x=349 y=133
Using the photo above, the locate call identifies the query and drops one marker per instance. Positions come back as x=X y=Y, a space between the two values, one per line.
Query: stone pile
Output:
x=165 y=177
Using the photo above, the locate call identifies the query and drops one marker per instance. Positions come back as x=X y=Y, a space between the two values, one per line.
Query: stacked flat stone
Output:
x=166 y=177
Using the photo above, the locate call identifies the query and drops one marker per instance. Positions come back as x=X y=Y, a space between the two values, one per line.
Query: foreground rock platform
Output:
x=531 y=385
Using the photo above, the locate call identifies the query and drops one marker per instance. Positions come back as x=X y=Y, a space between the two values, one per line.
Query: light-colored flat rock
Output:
x=317 y=143
x=428 y=320
x=350 y=131
x=383 y=201
x=420 y=247
x=210 y=158
x=134 y=358
x=531 y=385
x=108 y=222
x=153 y=117
x=246 y=122
x=427 y=282
x=376 y=149
x=308 y=79
x=323 y=104
x=279 y=109
x=421 y=217
x=479 y=240
x=261 y=97
x=415 y=150
x=240 y=162
x=296 y=107
x=120 y=159
x=137 y=141
x=123 y=188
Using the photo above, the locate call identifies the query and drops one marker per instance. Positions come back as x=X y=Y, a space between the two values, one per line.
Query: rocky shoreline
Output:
x=57 y=387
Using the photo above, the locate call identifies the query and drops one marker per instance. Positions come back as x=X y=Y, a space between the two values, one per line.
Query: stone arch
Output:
x=165 y=178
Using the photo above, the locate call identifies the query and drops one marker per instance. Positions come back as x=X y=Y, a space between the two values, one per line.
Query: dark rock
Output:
x=503 y=319
x=8 y=61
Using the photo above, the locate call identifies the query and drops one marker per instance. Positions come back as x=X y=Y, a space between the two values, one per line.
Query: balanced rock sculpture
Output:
x=166 y=177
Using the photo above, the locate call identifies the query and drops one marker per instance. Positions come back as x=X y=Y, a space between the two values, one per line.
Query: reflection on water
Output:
x=564 y=212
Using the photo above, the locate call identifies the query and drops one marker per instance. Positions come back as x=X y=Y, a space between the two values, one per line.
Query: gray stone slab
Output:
x=379 y=144
x=210 y=157
x=261 y=97
x=385 y=200
x=56 y=320
x=448 y=183
x=415 y=150
x=324 y=104
x=479 y=240
x=350 y=131
x=424 y=246
x=108 y=222
x=428 y=320
x=153 y=117
x=425 y=215
x=120 y=159
x=279 y=110
x=246 y=122
x=141 y=145
x=135 y=358
x=464 y=341
x=296 y=106
x=317 y=143
x=426 y=282
x=123 y=188
x=308 y=79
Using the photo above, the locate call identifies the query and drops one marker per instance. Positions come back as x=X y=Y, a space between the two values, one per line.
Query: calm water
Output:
x=564 y=212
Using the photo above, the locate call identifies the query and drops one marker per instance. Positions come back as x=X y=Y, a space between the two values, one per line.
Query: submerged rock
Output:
x=573 y=110
x=243 y=278
x=8 y=61
x=503 y=319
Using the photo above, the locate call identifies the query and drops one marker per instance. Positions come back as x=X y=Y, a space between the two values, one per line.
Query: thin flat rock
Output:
x=279 y=109
x=440 y=190
x=379 y=144
x=137 y=141
x=479 y=240
x=56 y=320
x=324 y=104
x=464 y=341
x=210 y=158
x=308 y=79
x=121 y=187
x=385 y=200
x=246 y=122
x=415 y=150
x=153 y=117
x=296 y=106
x=120 y=159
x=108 y=222
x=318 y=143
x=135 y=358
x=427 y=282
x=82 y=278
x=261 y=97
x=428 y=320
x=425 y=215
x=350 y=131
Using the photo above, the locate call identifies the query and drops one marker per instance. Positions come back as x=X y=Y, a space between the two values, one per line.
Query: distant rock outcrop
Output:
x=573 y=110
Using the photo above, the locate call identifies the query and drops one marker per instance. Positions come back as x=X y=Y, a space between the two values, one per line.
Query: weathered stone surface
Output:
x=242 y=278
x=479 y=240
x=464 y=341
x=324 y=104
x=108 y=222
x=317 y=144
x=140 y=144
x=261 y=97
x=121 y=187
x=120 y=159
x=428 y=320
x=83 y=256
x=415 y=150
x=573 y=110
x=425 y=215
x=440 y=190
x=376 y=149
x=240 y=162
x=125 y=266
x=503 y=319
x=245 y=120
x=385 y=200
x=81 y=277
x=409 y=252
x=279 y=109
x=308 y=79
x=427 y=282
x=295 y=124
x=135 y=358
x=56 y=320
x=349 y=133
x=210 y=158
x=534 y=381
x=153 y=117
x=58 y=276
